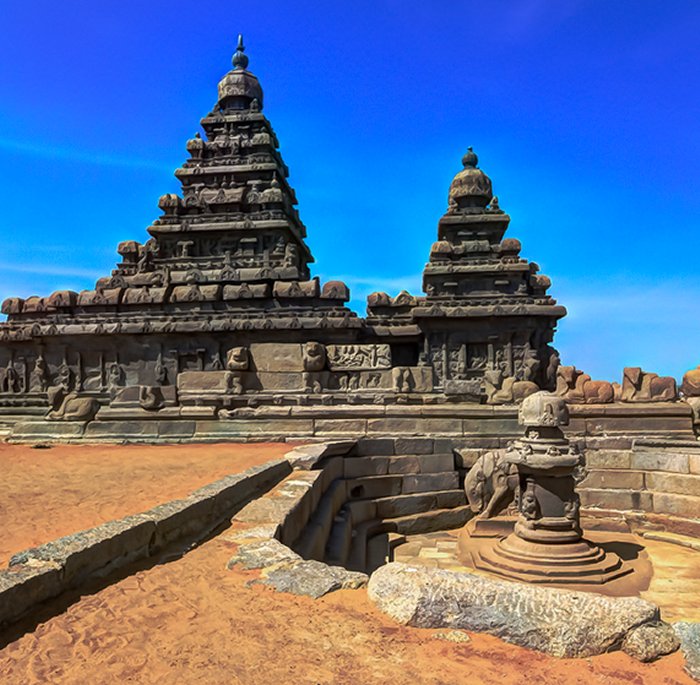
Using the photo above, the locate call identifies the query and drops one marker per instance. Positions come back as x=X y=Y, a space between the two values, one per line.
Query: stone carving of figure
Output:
x=69 y=406
x=640 y=386
x=291 y=255
x=145 y=261
x=577 y=387
x=314 y=361
x=690 y=387
x=501 y=390
x=314 y=356
x=39 y=377
x=116 y=377
x=552 y=367
x=10 y=381
x=161 y=371
x=571 y=508
x=402 y=379
x=491 y=483
x=530 y=364
x=528 y=503
x=237 y=361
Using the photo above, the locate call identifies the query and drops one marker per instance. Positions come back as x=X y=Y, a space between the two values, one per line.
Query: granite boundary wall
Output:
x=44 y=572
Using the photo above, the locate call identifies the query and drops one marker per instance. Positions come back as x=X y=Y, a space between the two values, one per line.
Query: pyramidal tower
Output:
x=215 y=322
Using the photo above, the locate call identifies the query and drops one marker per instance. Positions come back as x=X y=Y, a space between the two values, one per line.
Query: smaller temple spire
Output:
x=240 y=59
x=470 y=160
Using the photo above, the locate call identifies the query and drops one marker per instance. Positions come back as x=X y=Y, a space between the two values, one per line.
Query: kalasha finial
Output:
x=240 y=59
x=470 y=160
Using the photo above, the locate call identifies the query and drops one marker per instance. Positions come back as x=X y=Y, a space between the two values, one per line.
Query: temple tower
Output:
x=487 y=319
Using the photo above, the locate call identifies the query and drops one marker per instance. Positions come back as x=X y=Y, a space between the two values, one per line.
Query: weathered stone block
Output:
x=414 y=446
x=122 y=430
x=374 y=486
x=620 y=500
x=431 y=521
x=694 y=463
x=616 y=479
x=559 y=622
x=660 y=461
x=355 y=427
x=306 y=457
x=680 y=484
x=405 y=505
x=277 y=356
x=608 y=459
x=374 y=446
x=430 y=482
x=411 y=426
x=23 y=586
x=361 y=510
x=99 y=549
x=677 y=505
x=180 y=519
x=365 y=466
x=203 y=381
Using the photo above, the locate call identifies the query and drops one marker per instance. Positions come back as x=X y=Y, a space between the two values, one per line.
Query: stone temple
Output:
x=437 y=412
x=214 y=328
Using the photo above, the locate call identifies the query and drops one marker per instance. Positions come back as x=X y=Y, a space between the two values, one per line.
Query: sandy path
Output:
x=47 y=493
x=193 y=622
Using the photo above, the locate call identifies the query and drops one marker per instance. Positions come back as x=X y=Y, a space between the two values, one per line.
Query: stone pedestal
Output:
x=547 y=544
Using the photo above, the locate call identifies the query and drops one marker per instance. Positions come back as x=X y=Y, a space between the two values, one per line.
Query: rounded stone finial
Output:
x=470 y=160
x=543 y=409
x=240 y=59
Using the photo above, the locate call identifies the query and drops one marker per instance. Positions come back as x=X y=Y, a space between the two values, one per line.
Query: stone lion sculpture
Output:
x=314 y=356
x=640 y=386
x=576 y=387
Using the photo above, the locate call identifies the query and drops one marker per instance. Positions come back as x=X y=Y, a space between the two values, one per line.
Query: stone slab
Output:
x=559 y=622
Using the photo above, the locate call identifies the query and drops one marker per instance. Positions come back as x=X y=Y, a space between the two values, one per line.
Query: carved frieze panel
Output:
x=358 y=357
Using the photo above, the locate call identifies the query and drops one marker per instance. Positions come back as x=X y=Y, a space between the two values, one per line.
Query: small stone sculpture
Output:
x=577 y=387
x=640 y=386
x=500 y=390
x=490 y=484
x=69 y=406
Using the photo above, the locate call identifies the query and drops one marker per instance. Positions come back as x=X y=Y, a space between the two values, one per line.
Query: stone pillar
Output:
x=547 y=544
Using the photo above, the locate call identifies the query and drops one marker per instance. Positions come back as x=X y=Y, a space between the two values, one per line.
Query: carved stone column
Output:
x=547 y=544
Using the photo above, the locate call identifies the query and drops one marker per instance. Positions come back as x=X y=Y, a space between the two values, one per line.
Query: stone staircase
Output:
x=376 y=500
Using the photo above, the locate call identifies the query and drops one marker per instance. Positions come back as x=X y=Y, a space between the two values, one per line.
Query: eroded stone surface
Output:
x=651 y=641
x=262 y=554
x=312 y=578
x=452 y=636
x=689 y=635
x=559 y=622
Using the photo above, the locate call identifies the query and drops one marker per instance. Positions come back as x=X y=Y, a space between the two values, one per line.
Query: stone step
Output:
x=356 y=467
x=374 y=487
x=430 y=521
x=416 y=503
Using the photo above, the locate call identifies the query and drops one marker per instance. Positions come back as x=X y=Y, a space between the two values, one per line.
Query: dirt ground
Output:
x=193 y=622
x=47 y=493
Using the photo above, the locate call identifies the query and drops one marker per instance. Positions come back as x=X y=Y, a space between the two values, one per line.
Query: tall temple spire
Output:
x=240 y=59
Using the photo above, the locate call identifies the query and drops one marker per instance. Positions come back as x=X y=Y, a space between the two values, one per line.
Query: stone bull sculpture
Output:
x=69 y=406
x=576 y=387
x=640 y=386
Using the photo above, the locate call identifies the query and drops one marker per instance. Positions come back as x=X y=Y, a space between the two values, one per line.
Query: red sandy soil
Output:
x=192 y=622
x=47 y=493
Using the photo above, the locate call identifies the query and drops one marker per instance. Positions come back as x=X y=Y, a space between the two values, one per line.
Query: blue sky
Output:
x=584 y=113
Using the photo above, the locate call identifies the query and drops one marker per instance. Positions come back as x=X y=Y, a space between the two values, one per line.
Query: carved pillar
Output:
x=547 y=545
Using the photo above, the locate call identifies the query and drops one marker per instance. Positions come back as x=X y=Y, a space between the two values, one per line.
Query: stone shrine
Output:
x=214 y=323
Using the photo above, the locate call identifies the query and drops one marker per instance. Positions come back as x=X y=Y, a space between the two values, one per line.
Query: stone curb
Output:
x=41 y=573
x=277 y=518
